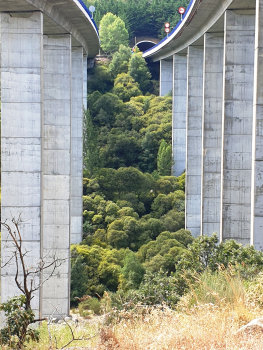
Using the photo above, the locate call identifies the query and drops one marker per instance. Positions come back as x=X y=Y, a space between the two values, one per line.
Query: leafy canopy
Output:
x=112 y=33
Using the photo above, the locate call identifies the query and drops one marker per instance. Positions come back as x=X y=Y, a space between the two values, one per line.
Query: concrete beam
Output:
x=179 y=113
x=194 y=139
x=237 y=126
x=211 y=133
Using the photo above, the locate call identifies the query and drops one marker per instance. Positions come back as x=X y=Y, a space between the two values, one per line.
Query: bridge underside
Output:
x=214 y=66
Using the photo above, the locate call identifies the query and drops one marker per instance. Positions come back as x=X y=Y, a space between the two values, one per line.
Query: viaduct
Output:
x=213 y=63
x=44 y=49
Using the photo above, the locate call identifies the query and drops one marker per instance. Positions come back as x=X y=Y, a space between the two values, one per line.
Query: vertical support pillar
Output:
x=56 y=170
x=237 y=126
x=194 y=138
x=212 y=133
x=179 y=113
x=85 y=81
x=22 y=103
x=166 y=77
x=257 y=136
x=76 y=144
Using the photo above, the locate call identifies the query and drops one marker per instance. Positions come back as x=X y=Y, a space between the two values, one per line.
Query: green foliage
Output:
x=164 y=159
x=155 y=289
x=120 y=61
x=125 y=87
x=16 y=332
x=88 y=306
x=138 y=70
x=142 y=18
x=100 y=80
x=132 y=271
x=91 y=157
x=112 y=33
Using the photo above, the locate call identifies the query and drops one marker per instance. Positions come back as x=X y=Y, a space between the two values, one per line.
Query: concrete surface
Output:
x=194 y=139
x=44 y=88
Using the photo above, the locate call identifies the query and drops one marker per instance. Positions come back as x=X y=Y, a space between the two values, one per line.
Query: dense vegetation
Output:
x=133 y=207
x=135 y=247
x=142 y=18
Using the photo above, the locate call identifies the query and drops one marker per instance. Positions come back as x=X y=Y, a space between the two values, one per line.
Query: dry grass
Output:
x=198 y=323
x=207 y=327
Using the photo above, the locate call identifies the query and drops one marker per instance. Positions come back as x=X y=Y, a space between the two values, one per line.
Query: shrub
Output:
x=89 y=306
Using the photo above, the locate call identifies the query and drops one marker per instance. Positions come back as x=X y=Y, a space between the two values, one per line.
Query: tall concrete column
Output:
x=76 y=144
x=166 y=77
x=85 y=81
x=22 y=106
x=237 y=125
x=194 y=139
x=212 y=132
x=256 y=235
x=179 y=113
x=56 y=170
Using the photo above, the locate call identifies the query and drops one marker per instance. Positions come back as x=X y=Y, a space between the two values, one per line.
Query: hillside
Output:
x=142 y=18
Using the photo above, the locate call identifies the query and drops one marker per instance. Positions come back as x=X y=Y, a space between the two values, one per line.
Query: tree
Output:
x=139 y=71
x=91 y=155
x=120 y=61
x=112 y=33
x=164 y=159
x=126 y=87
x=133 y=272
x=18 y=311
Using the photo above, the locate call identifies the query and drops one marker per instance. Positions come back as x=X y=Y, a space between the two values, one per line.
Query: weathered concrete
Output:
x=56 y=170
x=212 y=130
x=76 y=144
x=166 y=77
x=237 y=125
x=179 y=113
x=194 y=139
x=21 y=85
x=257 y=137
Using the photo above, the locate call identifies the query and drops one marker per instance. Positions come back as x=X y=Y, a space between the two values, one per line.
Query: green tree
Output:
x=112 y=33
x=138 y=70
x=120 y=61
x=164 y=159
x=133 y=272
x=91 y=155
x=125 y=87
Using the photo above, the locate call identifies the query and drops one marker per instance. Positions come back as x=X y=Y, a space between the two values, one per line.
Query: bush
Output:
x=18 y=318
x=89 y=306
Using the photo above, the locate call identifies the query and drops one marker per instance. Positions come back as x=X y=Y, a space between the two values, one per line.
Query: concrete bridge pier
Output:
x=166 y=77
x=179 y=113
x=76 y=144
x=211 y=133
x=194 y=138
x=238 y=77
x=56 y=168
x=256 y=237
x=22 y=139
x=44 y=88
